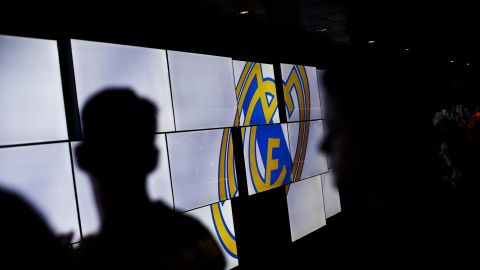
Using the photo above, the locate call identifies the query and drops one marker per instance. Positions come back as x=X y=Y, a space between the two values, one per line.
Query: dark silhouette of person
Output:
x=380 y=143
x=454 y=151
x=459 y=156
x=118 y=152
x=25 y=240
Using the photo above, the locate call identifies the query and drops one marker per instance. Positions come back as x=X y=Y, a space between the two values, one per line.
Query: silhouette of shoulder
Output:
x=134 y=231
x=159 y=237
x=25 y=239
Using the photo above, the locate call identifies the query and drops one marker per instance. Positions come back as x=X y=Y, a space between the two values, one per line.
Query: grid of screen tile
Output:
x=35 y=160
x=242 y=94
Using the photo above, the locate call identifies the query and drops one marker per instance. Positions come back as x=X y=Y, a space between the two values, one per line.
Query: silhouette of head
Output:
x=376 y=118
x=118 y=148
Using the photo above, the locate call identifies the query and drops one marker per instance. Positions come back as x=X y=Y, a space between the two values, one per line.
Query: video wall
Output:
x=201 y=99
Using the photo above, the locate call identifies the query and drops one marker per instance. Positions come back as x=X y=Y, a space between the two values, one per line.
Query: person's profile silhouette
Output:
x=25 y=240
x=381 y=148
x=118 y=152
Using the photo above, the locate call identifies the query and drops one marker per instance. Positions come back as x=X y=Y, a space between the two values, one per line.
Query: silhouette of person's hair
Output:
x=25 y=239
x=118 y=152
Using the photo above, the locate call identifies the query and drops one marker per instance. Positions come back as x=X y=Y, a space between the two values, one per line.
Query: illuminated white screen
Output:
x=158 y=186
x=31 y=98
x=256 y=93
x=305 y=207
x=203 y=90
x=42 y=175
x=331 y=196
x=314 y=162
x=323 y=102
x=89 y=215
x=321 y=90
x=194 y=163
x=99 y=65
x=222 y=214
x=315 y=105
x=267 y=157
x=300 y=85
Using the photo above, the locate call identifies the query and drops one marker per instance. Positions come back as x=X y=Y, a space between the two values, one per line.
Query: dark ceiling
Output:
x=301 y=31
x=441 y=29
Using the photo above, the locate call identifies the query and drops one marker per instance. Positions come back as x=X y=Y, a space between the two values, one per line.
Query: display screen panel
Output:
x=323 y=102
x=305 y=141
x=42 y=175
x=267 y=157
x=305 y=207
x=31 y=97
x=300 y=90
x=218 y=219
x=196 y=168
x=331 y=195
x=203 y=90
x=99 y=65
x=256 y=94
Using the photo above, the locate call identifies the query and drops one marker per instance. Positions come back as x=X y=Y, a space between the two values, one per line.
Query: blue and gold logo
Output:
x=268 y=160
x=222 y=228
x=297 y=86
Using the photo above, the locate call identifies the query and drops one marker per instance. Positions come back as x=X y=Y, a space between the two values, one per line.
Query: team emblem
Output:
x=266 y=145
